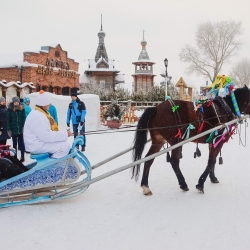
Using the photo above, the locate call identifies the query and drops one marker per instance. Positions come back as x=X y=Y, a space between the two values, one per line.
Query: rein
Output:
x=104 y=131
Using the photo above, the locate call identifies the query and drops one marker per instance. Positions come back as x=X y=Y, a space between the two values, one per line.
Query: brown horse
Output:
x=170 y=119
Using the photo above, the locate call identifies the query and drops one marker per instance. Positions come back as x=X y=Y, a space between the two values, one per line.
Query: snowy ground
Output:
x=113 y=213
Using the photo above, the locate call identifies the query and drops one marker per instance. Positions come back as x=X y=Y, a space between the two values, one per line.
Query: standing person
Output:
x=41 y=133
x=15 y=124
x=53 y=112
x=26 y=104
x=3 y=122
x=77 y=111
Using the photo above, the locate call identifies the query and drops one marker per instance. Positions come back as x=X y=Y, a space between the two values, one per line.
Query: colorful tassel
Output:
x=187 y=132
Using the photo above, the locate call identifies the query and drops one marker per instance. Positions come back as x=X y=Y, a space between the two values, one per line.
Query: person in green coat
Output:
x=15 y=123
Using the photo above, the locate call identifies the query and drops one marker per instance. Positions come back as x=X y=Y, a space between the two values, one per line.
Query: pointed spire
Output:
x=144 y=54
x=101 y=50
x=101 y=22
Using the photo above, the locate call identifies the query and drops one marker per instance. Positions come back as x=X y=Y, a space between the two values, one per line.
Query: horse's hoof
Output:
x=146 y=191
x=149 y=193
x=200 y=188
x=215 y=180
x=184 y=188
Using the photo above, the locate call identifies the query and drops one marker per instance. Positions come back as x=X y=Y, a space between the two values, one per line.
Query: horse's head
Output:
x=242 y=96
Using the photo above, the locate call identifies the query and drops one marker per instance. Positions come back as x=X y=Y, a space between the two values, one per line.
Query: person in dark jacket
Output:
x=10 y=166
x=77 y=111
x=3 y=122
x=15 y=124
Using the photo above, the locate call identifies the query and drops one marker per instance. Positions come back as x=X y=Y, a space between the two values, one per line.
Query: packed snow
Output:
x=114 y=214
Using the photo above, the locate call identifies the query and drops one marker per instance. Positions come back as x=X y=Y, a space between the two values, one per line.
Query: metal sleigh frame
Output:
x=46 y=178
x=63 y=189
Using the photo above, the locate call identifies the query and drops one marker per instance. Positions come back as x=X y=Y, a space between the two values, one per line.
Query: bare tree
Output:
x=241 y=73
x=216 y=43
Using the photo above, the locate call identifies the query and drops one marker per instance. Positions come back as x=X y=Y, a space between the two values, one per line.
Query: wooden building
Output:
x=186 y=89
x=101 y=70
x=143 y=76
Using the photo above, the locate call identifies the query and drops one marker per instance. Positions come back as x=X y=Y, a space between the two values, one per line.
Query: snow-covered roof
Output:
x=144 y=73
x=93 y=65
x=35 y=51
x=18 y=63
x=143 y=61
x=21 y=86
x=46 y=47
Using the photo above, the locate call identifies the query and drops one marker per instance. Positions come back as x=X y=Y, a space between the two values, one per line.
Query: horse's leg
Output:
x=212 y=174
x=175 y=161
x=144 y=182
x=213 y=153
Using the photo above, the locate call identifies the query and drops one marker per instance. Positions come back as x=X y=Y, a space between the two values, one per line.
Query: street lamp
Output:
x=166 y=78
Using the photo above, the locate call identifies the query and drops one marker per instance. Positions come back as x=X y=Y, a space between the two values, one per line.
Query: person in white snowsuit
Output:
x=41 y=133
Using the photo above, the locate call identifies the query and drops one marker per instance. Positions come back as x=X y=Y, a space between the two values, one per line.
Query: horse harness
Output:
x=216 y=109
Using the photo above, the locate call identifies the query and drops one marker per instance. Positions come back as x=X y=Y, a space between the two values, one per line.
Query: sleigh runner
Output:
x=46 y=177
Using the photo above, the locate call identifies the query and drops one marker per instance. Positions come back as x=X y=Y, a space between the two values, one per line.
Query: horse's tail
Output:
x=141 y=138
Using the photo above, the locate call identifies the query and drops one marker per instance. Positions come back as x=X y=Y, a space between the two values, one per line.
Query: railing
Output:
x=139 y=105
x=143 y=71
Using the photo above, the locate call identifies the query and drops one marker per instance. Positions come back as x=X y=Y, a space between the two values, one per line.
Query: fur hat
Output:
x=26 y=99
x=16 y=99
x=43 y=98
x=74 y=94
x=2 y=99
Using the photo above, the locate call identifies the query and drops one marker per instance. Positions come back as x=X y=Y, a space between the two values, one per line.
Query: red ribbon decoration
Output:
x=178 y=134
x=201 y=127
x=210 y=102
x=230 y=89
x=231 y=133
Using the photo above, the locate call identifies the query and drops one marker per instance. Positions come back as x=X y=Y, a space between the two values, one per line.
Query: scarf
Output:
x=52 y=122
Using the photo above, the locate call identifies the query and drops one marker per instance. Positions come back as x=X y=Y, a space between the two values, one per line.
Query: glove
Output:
x=82 y=123
x=68 y=124
x=9 y=133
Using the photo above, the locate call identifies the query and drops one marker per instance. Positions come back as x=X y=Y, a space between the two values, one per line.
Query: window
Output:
x=57 y=54
x=102 y=84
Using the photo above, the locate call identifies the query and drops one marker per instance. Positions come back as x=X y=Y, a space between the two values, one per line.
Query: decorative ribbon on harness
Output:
x=210 y=102
x=222 y=137
x=201 y=127
x=230 y=134
x=187 y=132
x=212 y=135
x=174 y=108
x=178 y=134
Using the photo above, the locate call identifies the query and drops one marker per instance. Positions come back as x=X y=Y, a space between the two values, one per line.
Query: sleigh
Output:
x=46 y=177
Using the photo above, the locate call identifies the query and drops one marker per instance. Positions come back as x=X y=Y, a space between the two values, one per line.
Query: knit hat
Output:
x=2 y=99
x=74 y=94
x=26 y=99
x=43 y=98
x=15 y=99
